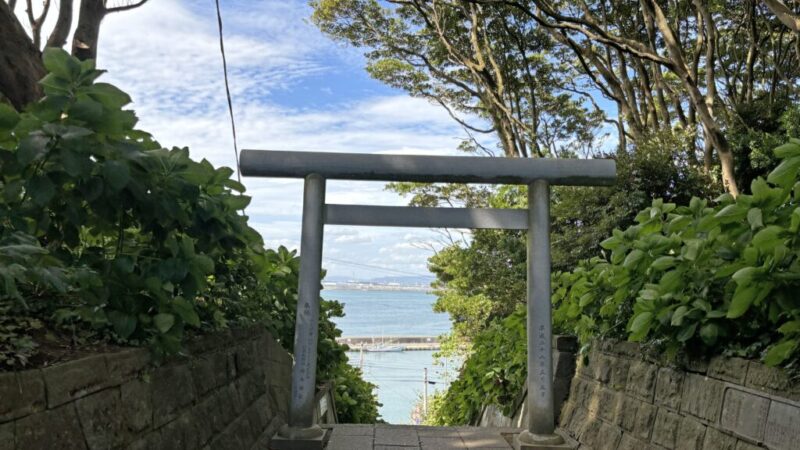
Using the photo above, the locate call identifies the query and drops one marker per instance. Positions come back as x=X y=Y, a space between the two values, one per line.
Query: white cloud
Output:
x=166 y=55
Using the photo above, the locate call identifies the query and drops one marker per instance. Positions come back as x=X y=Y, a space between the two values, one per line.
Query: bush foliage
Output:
x=103 y=229
x=693 y=279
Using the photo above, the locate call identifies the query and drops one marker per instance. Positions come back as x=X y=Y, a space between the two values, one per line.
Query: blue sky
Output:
x=293 y=89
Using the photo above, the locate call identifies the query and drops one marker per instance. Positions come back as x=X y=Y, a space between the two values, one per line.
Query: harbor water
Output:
x=398 y=375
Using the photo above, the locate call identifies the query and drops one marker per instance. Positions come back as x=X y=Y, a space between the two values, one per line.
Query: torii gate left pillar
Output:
x=538 y=174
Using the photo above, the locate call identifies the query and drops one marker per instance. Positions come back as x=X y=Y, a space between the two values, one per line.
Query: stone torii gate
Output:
x=537 y=174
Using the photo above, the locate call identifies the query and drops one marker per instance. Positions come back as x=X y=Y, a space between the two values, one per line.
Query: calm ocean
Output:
x=399 y=376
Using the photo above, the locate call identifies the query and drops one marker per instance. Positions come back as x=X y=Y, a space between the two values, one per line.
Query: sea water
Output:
x=398 y=375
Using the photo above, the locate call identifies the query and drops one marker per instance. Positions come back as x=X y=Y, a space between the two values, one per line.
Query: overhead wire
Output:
x=228 y=91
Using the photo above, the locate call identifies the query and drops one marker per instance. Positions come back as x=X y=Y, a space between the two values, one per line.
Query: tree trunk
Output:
x=21 y=65
x=58 y=37
x=84 y=42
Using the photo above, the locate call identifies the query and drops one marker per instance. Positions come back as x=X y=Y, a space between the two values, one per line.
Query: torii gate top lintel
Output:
x=433 y=169
x=538 y=174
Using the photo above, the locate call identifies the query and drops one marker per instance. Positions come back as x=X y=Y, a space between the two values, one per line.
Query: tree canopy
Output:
x=543 y=75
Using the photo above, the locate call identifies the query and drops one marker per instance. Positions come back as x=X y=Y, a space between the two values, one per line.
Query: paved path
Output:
x=407 y=437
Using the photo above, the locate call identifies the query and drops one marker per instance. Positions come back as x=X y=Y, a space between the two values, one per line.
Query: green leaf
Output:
x=755 y=218
x=746 y=275
x=787 y=150
x=780 y=352
x=124 y=324
x=163 y=322
x=32 y=148
x=709 y=333
x=117 y=174
x=731 y=213
x=786 y=173
x=767 y=238
x=41 y=190
x=641 y=322
x=633 y=258
x=687 y=332
x=745 y=295
x=109 y=95
x=663 y=263
x=61 y=63
x=678 y=315
x=692 y=249
x=86 y=110
x=8 y=117
x=186 y=311
x=790 y=327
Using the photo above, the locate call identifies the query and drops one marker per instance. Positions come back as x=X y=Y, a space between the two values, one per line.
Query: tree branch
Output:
x=127 y=7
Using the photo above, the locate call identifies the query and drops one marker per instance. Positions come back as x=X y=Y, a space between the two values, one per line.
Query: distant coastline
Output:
x=367 y=286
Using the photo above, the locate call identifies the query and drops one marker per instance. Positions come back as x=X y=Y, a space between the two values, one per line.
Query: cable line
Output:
x=228 y=92
x=370 y=266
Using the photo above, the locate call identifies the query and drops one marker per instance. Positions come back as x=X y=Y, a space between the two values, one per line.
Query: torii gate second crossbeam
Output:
x=538 y=174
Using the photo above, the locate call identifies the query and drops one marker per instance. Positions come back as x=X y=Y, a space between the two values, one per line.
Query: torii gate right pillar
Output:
x=540 y=432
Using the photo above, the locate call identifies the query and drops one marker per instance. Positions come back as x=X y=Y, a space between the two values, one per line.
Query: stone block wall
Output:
x=231 y=393
x=620 y=399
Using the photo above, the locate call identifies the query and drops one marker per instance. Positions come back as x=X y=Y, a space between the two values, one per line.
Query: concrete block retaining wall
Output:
x=232 y=393
x=621 y=400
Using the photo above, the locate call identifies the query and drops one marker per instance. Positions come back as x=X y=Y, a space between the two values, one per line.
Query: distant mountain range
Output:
x=402 y=280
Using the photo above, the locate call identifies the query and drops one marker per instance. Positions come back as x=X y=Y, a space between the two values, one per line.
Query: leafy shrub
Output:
x=695 y=279
x=101 y=228
x=700 y=279
x=493 y=374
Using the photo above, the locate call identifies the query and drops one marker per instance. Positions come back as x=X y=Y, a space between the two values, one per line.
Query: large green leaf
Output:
x=116 y=174
x=786 y=173
x=163 y=322
x=61 y=63
x=124 y=324
x=41 y=190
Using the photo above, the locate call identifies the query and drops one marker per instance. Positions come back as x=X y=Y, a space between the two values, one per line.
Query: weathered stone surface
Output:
x=590 y=432
x=126 y=364
x=637 y=418
x=702 y=397
x=773 y=380
x=641 y=380
x=396 y=436
x=7 y=436
x=696 y=365
x=629 y=442
x=74 y=379
x=150 y=441
x=245 y=356
x=619 y=373
x=608 y=438
x=21 y=394
x=744 y=445
x=665 y=430
x=117 y=401
x=783 y=426
x=350 y=443
x=728 y=369
x=173 y=389
x=744 y=413
x=53 y=429
x=101 y=418
x=602 y=365
x=691 y=434
x=209 y=371
x=137 y=396
x=579 y=418
x=669 y=388
x=717 y=440
x=566 y=413
x=610 y=403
